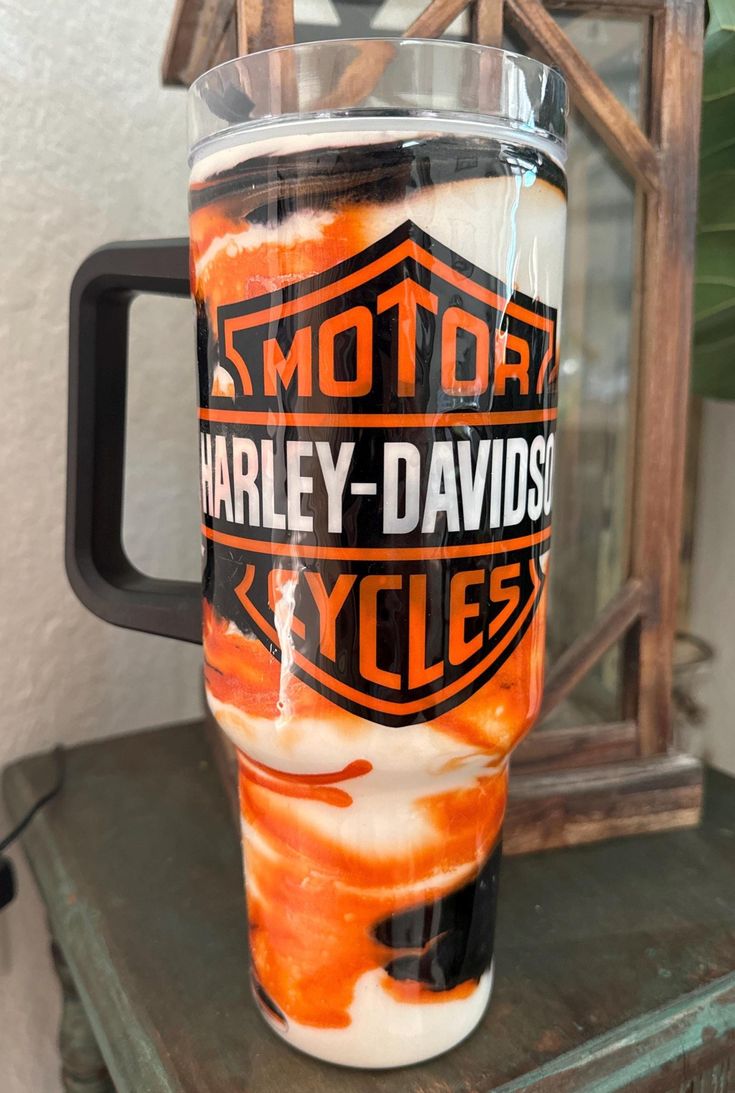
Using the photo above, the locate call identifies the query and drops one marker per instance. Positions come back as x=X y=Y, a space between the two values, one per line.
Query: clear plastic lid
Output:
x=375 y=78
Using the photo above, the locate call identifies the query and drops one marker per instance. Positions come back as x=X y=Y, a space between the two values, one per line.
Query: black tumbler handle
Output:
x=99 y=570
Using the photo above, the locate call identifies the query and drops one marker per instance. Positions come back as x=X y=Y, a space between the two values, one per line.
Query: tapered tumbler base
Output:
x=386 y=1033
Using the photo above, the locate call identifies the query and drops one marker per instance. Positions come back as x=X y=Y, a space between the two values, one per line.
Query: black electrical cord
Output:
x=20 y=827
x=7 y=873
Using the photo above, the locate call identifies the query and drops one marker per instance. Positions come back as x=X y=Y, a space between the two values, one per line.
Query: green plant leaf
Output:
x=714 y=286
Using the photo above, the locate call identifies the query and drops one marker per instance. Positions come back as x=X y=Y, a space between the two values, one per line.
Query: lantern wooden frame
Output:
x=578 y=784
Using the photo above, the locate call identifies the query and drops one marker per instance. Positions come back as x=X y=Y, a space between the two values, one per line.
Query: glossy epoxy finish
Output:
x=375 y=310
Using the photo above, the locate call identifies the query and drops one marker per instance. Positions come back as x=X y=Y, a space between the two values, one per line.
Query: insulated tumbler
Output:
x=377 y=236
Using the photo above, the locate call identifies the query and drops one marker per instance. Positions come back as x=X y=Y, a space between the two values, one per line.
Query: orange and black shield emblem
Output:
x=376 y=480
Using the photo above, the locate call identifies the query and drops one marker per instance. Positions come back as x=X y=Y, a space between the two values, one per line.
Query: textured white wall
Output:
x=713 y=587
x=91 y=150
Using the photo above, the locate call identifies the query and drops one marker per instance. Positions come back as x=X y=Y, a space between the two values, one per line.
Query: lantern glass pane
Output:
x=595 y=441
x=615 y=47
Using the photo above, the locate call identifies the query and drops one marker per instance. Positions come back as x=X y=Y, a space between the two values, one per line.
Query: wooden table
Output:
x=615 y=963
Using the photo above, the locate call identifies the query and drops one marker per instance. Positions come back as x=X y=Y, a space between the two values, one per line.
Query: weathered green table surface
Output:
x=614 y=962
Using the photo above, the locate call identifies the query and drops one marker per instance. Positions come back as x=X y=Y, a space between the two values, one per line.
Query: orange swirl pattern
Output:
x=312 y=899
x=315 y=888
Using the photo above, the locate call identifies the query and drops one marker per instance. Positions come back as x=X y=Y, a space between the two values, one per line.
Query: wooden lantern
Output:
x=577 y=783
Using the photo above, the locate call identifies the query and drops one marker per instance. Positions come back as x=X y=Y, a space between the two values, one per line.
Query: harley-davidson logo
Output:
x=376 y=481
